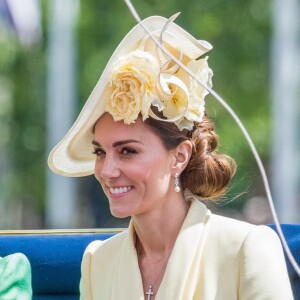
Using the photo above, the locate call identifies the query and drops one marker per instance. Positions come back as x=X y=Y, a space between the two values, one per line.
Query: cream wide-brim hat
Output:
x=73 y=156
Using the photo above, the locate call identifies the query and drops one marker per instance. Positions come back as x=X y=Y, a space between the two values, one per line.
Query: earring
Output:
x=176 y=181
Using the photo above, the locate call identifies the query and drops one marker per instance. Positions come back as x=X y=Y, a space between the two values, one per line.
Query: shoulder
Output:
x=15 y=276
x=229 y=231
x=251 y=239
x=100 y=248
x=17 y=264
x=240 y=230
x=228 y=223
x=103 y=254
x=238 y=238
x=252 y=251
x=14 y=259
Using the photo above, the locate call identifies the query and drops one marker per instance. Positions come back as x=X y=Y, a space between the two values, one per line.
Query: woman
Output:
x=144 y=134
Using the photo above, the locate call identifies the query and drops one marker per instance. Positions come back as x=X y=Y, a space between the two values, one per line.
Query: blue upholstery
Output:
x=55 y=260
x=292 y=235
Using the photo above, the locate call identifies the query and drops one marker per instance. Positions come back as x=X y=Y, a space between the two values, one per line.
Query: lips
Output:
x=120 y=190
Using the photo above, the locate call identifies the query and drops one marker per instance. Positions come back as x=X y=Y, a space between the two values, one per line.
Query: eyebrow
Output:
x=118 y=143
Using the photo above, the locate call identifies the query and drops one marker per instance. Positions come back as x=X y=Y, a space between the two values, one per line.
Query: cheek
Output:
x=155 y=174
x=136 y=174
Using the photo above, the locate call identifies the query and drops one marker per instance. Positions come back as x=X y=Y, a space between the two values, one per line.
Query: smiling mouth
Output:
x=120 y=190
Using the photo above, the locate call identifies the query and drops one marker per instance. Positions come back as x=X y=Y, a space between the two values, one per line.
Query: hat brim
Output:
x=73 y=156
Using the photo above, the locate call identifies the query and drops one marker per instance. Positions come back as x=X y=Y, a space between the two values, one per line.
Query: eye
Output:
x=99 y=152
x=128 y=151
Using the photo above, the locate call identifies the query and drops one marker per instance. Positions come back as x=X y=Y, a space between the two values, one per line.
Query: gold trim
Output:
x=61 y=231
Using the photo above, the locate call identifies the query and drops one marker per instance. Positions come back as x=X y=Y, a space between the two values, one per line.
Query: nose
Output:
x=107 y=168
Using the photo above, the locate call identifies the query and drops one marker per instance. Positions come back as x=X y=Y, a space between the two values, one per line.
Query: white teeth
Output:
x=120 y=190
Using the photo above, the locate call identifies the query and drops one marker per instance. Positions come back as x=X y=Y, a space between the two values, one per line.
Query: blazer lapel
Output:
x=128 y=282
x=181 y=276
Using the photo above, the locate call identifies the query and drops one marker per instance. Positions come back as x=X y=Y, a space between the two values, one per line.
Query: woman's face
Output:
x=133 y=167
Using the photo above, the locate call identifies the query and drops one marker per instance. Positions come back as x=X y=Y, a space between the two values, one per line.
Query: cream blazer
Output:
x=214 y=258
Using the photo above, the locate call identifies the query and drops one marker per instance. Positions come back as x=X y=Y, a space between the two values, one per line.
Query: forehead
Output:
x=107 y=129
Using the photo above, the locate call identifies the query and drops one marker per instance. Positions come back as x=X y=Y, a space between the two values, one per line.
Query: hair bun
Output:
x=204 y=134
x=208 y=173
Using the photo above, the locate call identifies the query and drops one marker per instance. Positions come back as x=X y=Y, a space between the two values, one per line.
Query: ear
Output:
x=182 y=155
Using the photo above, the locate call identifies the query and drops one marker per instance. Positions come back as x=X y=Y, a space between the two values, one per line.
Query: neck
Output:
x=157 y=231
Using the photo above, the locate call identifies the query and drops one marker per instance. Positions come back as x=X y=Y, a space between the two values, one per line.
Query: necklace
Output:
x=150 y=291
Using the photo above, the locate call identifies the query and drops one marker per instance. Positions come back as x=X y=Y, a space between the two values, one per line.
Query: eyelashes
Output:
x=126 y=151
x=98 y=152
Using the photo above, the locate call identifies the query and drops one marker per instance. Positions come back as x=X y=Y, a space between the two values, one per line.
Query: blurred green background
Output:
x=240 y=32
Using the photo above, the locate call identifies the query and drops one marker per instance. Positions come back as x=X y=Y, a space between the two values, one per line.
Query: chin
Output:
x=120 y=214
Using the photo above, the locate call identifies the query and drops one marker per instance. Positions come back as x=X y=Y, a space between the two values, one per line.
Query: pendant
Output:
x=150 y=293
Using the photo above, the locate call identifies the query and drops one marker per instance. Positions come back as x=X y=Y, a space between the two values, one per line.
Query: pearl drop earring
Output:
x=177 y=187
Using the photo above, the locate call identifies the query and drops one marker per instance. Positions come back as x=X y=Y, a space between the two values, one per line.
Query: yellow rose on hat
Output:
x=133 y=83
x=182 y=97
x=197 y=93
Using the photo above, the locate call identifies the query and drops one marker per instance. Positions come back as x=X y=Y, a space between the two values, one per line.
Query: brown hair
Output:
x=208 y=173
